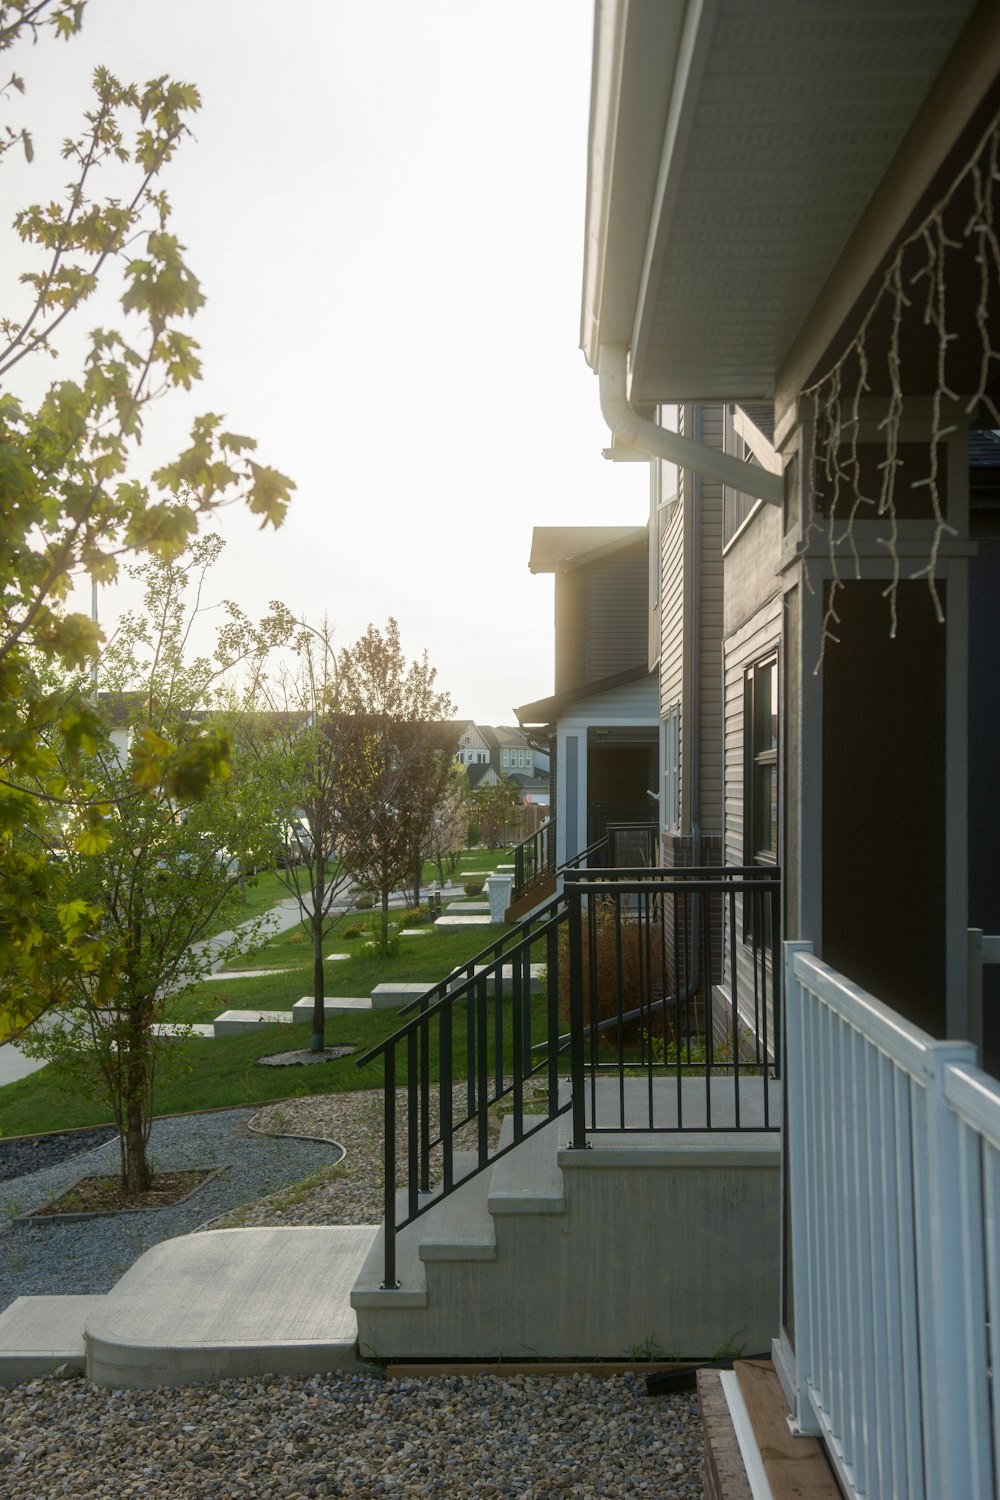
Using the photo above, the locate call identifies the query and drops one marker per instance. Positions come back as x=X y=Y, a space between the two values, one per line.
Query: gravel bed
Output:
x=90 y=1256
x=30 y=1153
x=513 y=1436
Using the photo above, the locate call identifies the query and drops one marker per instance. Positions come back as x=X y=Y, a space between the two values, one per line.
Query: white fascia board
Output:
x=635 y=54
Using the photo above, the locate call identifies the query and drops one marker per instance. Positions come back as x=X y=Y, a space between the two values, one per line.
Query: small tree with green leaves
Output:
x=143 y=904
x=72 y=499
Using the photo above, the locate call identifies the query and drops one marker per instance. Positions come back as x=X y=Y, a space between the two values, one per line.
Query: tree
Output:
x=140 y=907
x=307 y=744
x=450 y=824
x=71 y=496
x=497 y=808
x=401 y=752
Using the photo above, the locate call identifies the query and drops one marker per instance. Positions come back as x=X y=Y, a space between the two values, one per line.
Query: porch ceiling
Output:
x=782 y=119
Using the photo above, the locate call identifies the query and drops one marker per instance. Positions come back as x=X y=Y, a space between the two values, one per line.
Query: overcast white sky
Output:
x=385 y=207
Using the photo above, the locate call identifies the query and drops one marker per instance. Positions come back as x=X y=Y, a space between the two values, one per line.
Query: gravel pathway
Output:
x=90 y=1256
x=517 y=1437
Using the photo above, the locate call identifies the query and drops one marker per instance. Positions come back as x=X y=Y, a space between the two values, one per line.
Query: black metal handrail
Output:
x=494 y=1060
x=648 y=951
x=654 y=941
x=534 y=857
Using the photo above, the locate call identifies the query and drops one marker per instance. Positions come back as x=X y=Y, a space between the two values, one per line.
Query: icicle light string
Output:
x=836 y=398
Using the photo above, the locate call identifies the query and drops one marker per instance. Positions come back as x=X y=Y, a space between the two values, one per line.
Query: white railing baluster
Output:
x=894 y=1180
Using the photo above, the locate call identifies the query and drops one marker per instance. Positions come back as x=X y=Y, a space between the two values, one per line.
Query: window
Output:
x=760 y=741
x=670 y=811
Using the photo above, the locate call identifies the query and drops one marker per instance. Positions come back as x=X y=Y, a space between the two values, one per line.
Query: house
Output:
x=601 y=720
x=489 y=752
x=792 y=298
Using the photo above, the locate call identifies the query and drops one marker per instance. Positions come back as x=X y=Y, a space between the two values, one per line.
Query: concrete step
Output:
x=38 y=1334
x=339 y=1005
x=529 y=1179
x=228 y=1303
x=594 y=1253
x=235 y=1022
x=182 y=1030
x=463 y=919
x=369 y=1291
x=455 y=907
x=394 y=993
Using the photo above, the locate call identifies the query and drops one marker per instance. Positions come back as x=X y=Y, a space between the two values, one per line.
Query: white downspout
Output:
x=639 y=432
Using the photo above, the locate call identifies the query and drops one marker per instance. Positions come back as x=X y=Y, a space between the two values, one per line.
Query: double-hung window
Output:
x=760 y=698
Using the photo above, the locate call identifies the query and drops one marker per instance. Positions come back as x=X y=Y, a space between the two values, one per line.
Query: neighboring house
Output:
x=601 y=720
x=489 y=752
x=791 y=260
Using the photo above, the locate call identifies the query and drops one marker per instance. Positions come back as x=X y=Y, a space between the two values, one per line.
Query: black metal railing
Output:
x=534 y=857
x=673 y=997
x=479 y=1038
x=635 y=958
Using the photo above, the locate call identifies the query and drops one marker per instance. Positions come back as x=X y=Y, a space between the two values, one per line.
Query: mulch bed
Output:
x=105 y=1195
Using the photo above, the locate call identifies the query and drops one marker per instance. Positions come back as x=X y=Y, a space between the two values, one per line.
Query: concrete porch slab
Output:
x=38 y=1334
x=230 y=1302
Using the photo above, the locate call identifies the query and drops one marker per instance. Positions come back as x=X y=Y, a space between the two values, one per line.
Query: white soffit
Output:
x=800 y=108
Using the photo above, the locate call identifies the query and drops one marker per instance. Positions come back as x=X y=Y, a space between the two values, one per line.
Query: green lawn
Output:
x=427 y=958
x=220 y=1073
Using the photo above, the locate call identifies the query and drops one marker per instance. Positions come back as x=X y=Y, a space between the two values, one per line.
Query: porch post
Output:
x=796 y=1187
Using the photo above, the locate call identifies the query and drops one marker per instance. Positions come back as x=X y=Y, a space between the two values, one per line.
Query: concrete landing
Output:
x=38 y=1334
x=228 y=1303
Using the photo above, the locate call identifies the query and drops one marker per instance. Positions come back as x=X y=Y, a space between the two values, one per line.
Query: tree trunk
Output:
x=318 y=1041
x=385 y=918
x=417 y=877
x=319 y=1010
x=136 y=1174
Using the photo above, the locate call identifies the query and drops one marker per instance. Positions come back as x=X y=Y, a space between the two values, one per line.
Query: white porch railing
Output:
x=894 y=1189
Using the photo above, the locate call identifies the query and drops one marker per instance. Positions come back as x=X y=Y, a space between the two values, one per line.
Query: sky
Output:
x=384 y=203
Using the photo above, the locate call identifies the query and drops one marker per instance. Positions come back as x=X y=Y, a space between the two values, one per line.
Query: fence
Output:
x=894 y=1192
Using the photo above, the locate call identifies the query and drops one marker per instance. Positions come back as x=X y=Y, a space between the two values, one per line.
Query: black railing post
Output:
x=425 y=1102
x=389 y=1163
x=576 y=1044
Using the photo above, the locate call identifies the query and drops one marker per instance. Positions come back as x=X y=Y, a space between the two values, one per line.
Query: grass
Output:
x=427 y=958
x=220 y=1073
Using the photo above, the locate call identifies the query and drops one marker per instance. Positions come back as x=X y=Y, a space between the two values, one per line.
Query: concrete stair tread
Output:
x=460 y=1226
x=529 y=1179
x=411 y=1288
x=335 y=1005
x=230 y=1302
x=38 y=1334
x=234 y=1022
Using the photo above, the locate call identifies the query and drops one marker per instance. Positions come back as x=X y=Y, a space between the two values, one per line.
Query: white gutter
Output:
x=657 y=442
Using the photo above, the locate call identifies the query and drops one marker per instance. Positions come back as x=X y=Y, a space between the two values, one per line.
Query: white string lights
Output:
x=918 y=277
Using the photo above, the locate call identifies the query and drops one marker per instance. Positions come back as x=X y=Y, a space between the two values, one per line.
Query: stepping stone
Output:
x=338 y=1006
x=235 y=1022
x=389 y=996
x=333 y=957
x=241 y=974
x=38 y=1334
x=414 y=932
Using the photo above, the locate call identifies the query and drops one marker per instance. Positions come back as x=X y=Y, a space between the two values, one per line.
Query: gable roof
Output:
x=547 y=710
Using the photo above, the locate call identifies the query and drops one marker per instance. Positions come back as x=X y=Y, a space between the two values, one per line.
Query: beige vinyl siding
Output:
x=617 y=614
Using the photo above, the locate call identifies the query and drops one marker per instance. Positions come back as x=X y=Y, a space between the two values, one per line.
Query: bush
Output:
x=473 y=886
x=356 y=930
x=414 y=916
x=373 y=947
x=364 y=901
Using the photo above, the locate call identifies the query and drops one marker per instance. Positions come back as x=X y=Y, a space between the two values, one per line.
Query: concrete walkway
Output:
x=207 y=1306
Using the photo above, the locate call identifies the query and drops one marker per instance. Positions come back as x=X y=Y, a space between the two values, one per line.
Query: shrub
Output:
x=373 y=947
x=355 y=930
x=473 y=886
x=414 y=916
x=364 y=901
